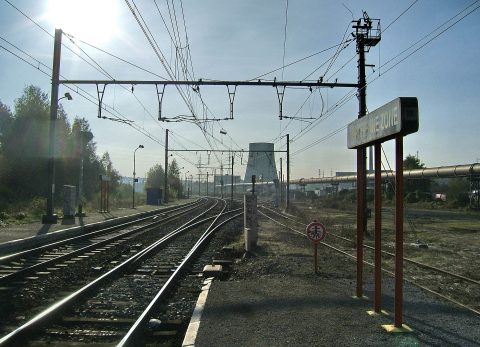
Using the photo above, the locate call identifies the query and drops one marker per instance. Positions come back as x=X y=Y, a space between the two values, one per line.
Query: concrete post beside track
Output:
x=250 y=221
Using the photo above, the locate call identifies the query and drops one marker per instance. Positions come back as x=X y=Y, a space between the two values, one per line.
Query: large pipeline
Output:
x=466 y=170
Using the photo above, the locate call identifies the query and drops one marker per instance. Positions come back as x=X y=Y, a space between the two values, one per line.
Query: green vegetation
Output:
x=24 y=146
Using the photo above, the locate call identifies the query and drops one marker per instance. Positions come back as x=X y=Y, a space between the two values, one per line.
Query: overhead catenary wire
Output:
x=294 y=62
x=348 y=96
x=144 y=27
x=52 y=36
x=118 y=58
x=111 y=77
x=434 y=37
x=285 y=36
x=94 y=64
x=398 y=17
x=387 y=27
x=345 y=44
x=84 y=94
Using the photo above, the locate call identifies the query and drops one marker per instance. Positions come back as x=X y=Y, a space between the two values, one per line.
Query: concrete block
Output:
x=212 y=270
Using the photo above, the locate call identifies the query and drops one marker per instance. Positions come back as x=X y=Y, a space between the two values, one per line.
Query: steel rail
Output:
x=129 y=338
x=408 y=260
x=13 y=256
x=35 y=267
x=383 y=270
x=15 y=336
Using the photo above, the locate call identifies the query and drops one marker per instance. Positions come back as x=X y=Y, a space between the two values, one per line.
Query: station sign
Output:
x=398 y=117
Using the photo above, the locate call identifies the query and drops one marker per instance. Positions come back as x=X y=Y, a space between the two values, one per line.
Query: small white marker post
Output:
x=316 y=232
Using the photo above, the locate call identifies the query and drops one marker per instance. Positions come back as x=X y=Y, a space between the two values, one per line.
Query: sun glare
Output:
x=93 y=21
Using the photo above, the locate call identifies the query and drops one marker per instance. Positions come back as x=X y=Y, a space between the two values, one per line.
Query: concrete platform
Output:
x=265 y=313
x=14 y=237
x=275 y=299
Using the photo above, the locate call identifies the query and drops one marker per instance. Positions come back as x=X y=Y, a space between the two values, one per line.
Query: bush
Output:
x=37 y=206
x=411 y=197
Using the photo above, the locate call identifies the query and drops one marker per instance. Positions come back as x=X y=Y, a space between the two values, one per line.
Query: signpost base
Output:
x=373 y=313
x=363 y=297
x=390 y=328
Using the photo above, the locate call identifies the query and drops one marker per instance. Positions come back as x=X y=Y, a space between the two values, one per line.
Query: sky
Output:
x=244 y=40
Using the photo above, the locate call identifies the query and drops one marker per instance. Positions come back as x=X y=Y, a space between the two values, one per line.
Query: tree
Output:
x=6 y=119
x=156 y=177
x=107 y=169
x=25 y=145
x=413 y=188
x=175 y=188
x=92 y=167
x=457 y=193
x=24 y=151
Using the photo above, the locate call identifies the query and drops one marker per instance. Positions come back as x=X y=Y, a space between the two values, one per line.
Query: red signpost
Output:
x=316 y=232
x=393 y=120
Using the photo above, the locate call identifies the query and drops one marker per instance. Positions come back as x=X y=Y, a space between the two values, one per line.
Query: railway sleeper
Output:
x=83 y=333
x=95 y=320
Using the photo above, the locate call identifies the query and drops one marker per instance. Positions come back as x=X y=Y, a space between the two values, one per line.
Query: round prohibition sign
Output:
x=316 y=232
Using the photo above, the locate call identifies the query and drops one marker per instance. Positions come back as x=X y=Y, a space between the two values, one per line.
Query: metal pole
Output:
x=190 y=186
x=360 y=219
x=50 y=217
x=207 y=183
x=133 y=190
x=399 y=232
x=185 y=186
x=214 y=175
x=377 y=301
x=281 y=182
x=80 y=179
x=231 y=193
x=221 y=179
x=198 y=184
x=85 y=137
x=361 y=166
x=288 y=173
x=165 y=199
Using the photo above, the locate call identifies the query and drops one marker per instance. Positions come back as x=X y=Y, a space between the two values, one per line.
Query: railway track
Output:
x=45 y=273
x=461 y=290
x=138 y=274
x=30 y=260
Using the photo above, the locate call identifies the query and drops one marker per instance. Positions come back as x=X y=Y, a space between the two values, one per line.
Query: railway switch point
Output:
x=390 y=328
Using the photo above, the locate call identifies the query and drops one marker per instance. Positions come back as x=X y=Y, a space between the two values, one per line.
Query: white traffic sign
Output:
x=316 y=232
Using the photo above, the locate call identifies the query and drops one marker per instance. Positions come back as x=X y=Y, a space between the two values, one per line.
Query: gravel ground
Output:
x=273 y=298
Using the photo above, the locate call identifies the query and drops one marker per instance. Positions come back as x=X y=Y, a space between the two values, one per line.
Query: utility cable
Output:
x=97 y=67
x=294 y=62
x=426 y=43
x=84 y=94
x=119 y=58
x=285 y=36
x=400 y=15
x=52 y=36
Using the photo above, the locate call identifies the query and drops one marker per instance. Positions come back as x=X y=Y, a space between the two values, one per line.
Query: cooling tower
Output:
x=261 y=162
